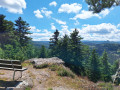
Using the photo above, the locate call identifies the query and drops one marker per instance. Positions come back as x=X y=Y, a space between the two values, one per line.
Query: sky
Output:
x=45 y=16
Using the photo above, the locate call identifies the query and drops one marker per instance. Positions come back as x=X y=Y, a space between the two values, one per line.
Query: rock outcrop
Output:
x=40 y=61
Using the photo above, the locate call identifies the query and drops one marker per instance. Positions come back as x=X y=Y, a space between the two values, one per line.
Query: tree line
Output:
x=14 y=40
x=82 y=60
x=15 y=43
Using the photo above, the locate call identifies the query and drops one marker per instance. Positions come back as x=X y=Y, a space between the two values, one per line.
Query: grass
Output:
x=2 y=73
x=50 y=89
x=24 y=64
x=41 y=66
x=27 y=88
x=106 y=86
x=61 y=71
x=4 y=79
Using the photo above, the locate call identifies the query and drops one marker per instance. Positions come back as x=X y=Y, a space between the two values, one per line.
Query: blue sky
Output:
x=45 y=16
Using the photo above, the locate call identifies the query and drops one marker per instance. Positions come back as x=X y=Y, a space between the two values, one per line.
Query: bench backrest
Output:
x=10 y=64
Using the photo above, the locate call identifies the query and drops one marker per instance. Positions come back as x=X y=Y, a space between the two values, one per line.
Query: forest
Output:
x=82 y=59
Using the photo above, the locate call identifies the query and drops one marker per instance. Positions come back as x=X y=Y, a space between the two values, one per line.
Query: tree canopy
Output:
x=98 y=5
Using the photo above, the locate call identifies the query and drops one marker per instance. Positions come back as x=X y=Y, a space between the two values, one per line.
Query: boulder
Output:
x=40 y=61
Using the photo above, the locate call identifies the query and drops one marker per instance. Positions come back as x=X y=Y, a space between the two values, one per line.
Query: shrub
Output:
x=50 y=89
x=27 y=88
x=64 y=72
x=41 y=66
x=106 y=86
x=61 y=71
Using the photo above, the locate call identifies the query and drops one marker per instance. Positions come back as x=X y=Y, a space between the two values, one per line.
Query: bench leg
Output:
x=21 y=74
x=14 y=76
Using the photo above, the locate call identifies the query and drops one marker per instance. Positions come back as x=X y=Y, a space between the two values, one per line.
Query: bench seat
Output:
x=14 y=65
x=23 y=69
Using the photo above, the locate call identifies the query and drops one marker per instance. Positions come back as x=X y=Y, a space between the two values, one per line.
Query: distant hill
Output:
x=40 y=43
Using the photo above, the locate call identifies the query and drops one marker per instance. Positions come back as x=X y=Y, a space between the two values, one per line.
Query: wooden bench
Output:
x=14 y=65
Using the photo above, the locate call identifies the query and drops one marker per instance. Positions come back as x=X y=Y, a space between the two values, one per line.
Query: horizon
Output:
x=47 y=16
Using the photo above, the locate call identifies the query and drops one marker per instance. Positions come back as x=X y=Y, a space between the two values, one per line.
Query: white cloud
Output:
x=13 y=6
x=59 y=21
x=53 y=3
x=100 y=32
x=70 y=8
x=85 y=15
x=38 y=14
x=33 y=29
x=76 y=22
x=64 y=30
x=53 y=26
x=47 y=13
x=89 y=14
x=40 y=35
x=104 y=13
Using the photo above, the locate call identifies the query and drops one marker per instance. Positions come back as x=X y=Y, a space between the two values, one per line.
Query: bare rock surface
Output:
x=40 y=61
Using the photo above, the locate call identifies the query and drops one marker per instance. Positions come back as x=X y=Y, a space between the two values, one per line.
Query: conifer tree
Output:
x=64 y=52
x=76 y=51
x=22 y=30
x=43 y=53
x=106 y=71
x=6 y=31
x=115 y=66
x=54 y=43
x=94 y=67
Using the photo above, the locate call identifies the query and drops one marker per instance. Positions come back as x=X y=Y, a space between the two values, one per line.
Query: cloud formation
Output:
x=70 y=8
x=53 y=26
x=89 y=14
x=38 y=14
x=13 y=6
x=100 y=32
x=59 y=21
x=46 y=12
x=53 y=3
x=40 y=35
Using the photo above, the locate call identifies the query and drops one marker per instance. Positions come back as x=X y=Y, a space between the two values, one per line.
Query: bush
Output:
x=64 y=72
x=27 y=88
x=41 y=66
x=106 y=86
x=61 y=71
x=50 y=89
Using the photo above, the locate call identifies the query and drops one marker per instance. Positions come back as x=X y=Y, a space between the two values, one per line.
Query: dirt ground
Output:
x=44 y=79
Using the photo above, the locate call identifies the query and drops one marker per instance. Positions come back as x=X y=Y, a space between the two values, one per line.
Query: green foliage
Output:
x=50 y=89
x=61 y=71
x=22 y=30
x=41 y=66
x=98 y=5
x=106 y=86
x=54 y=43
x=115 y=66
x=106 y=70
x=6 y=31
x=94 y=67
x=43 y=52
x=27 y=88
x=64 y=72
x=1 y=53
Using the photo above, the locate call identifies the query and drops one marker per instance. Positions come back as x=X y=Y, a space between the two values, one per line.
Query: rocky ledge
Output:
x=40 y=61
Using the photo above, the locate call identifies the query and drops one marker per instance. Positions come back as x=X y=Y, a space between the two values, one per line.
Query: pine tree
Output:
x=94 y=67
x=115 y=66
x=64 y=45
x=43 y=53
x=22 y=30
x=6 y=31
x=106 y=71
x=54 y=43
x=76 y=51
